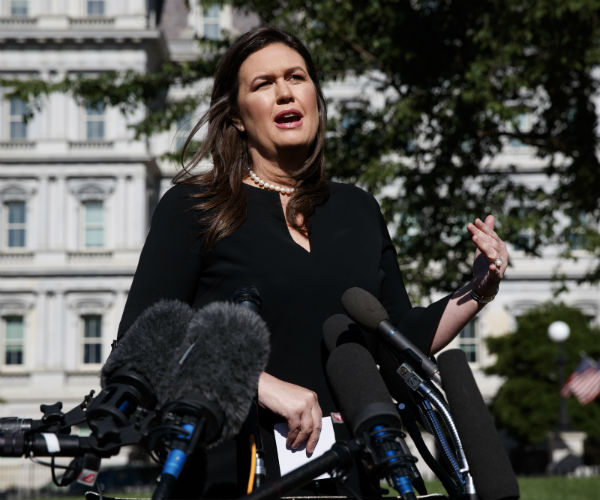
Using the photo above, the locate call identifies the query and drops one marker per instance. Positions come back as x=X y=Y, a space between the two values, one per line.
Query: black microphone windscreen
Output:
x=490 y=467
x=220 y=360
x=363 y=307
x=359 y=390
x=149 y=344
x=340 y=329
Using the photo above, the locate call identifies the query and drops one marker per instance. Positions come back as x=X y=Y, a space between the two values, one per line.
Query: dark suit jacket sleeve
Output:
x=171 y=258
x=419 y=324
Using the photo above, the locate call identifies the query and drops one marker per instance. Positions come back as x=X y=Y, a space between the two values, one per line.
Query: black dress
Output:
x=349 y=246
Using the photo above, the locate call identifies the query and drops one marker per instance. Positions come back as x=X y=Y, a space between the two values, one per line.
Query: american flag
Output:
x=584 y=382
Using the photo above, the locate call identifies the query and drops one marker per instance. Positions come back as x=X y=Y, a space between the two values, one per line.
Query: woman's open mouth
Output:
x=288 y=119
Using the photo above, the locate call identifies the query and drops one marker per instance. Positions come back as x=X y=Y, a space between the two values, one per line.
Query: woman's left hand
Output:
x=491 y=256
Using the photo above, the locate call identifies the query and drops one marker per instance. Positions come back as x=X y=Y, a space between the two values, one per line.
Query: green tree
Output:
x=455 y=80
x=527 y=403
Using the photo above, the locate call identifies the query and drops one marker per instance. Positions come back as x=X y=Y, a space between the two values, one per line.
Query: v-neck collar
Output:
x=277 y=209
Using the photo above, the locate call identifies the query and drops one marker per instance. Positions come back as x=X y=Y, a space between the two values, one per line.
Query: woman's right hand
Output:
x=298 y=405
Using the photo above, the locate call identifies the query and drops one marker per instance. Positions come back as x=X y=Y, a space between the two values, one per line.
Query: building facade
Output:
x=77 y=190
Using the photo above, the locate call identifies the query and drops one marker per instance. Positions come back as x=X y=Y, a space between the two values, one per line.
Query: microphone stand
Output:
x=415 y=383
x=337 y=460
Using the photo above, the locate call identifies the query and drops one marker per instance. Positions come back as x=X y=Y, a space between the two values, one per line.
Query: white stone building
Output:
x=77 y=191
x=528 y=281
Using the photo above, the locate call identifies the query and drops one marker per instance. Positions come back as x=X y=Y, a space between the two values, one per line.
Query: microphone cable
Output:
x=248 y=297
x=252 y=474
x=257 y=473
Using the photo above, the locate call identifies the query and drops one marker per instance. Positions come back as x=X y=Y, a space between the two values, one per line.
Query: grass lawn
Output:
x=548 y=488
x=532 y=488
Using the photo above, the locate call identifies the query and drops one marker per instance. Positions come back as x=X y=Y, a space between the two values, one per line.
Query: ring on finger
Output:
x=498 y=262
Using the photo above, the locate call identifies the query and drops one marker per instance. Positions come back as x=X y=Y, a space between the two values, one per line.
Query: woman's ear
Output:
x=238 y=123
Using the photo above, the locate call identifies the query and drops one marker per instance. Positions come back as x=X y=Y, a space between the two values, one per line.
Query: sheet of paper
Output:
x=292 y=459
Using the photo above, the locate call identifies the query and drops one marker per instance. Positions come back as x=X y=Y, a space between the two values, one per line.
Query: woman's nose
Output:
x=284 y=92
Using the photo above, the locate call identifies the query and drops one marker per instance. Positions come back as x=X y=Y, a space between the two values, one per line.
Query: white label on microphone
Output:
x=51 y=442
x=292 y=459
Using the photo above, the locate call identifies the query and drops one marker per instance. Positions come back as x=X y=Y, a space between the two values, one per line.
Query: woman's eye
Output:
x=298 y=77
x=262 y=84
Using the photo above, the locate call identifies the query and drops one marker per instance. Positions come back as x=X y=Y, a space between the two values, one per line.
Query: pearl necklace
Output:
x=273 y=187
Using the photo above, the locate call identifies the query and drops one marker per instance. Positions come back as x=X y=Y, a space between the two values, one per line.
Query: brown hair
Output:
x=223 y=201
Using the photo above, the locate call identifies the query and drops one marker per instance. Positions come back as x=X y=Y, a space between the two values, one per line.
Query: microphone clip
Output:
x=385 y=452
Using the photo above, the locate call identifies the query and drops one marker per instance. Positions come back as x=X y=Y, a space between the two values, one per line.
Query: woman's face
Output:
x=277 y=103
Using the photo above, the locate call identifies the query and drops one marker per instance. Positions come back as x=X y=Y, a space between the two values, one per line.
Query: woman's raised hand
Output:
x=491 y=256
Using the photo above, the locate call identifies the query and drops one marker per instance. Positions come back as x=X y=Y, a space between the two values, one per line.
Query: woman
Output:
x=264 y=215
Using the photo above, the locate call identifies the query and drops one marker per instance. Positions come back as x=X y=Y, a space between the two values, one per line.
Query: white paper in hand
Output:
x=292 y=459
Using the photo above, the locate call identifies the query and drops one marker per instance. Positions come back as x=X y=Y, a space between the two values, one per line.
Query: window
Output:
x=578 y=234
x=14 y=336
x=93 y=206
x=211 y=26
x=19 y=8
x=94 y=121
x=95 y=7
x=353 y=114
x=92 y=339
x=467 y=341
x=17 y=119
x=15 y=223
x=184 y=127
x=526 y=220
x=524 y=125
x=93 y=223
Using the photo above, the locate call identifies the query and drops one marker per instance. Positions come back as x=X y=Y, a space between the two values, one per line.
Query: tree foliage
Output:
x=527 y=403
x=457 y=79
x=128 y=91
x=453 y=81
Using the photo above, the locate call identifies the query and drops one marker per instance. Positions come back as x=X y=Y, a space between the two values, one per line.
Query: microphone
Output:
x=132 y=374
x=490 y=467
x=84 y=469
x=367 y=311
x=368 y=408
x=339 y=329
x=248 y=297
x=224 y=351
x=148 y=346
x=221 y=358
x=89 y=467
x=337 y=460
x=44 y=444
